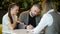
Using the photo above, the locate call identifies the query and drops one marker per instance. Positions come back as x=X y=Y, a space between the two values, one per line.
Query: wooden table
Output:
x=22 y=31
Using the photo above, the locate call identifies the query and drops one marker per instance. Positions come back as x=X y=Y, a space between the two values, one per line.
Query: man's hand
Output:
x=30 y=27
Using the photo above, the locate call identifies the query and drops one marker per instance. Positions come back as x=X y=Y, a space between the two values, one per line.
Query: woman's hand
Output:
x=21 y=23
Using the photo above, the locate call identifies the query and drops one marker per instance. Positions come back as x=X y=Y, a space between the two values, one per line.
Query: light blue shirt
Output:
x=46 y=20
x=5 y=22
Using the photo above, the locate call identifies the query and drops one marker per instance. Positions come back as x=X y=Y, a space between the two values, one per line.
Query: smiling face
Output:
x=35 y=11
x=15 y=10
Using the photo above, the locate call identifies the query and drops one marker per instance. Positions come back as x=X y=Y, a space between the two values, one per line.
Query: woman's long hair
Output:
x=9 y=13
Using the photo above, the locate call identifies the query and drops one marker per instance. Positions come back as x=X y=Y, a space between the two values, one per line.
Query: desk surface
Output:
x=22 y=31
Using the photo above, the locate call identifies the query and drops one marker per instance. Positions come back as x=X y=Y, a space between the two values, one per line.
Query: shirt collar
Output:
x=50 y=10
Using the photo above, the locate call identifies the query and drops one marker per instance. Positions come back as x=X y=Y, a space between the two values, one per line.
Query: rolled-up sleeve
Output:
x=46 y=20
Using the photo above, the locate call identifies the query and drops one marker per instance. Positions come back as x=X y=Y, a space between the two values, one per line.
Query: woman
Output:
x=10 y=18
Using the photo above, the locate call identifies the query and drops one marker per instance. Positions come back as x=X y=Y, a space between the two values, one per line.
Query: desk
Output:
x=21 y=31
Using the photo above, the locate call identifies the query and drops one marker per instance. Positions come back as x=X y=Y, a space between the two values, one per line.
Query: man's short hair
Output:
x=38 y=6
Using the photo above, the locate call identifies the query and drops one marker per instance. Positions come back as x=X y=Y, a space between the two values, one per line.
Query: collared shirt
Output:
x=46 y=20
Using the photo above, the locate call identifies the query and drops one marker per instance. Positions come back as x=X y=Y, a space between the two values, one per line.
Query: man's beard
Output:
x=32 y=15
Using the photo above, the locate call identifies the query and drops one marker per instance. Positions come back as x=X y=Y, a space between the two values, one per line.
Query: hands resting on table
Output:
x=29 y=27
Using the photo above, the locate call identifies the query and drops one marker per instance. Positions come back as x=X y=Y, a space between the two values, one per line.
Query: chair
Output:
x=0 y=29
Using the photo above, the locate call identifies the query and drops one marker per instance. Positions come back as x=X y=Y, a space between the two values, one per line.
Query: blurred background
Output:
x=24 y=5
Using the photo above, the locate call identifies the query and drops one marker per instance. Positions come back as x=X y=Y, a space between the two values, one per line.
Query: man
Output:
x=51 y=19
x=31 y=17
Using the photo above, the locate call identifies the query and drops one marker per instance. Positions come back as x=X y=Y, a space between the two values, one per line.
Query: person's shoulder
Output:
x=46 y=15
x=5 y=16
x=24 y=13
x=52 y=10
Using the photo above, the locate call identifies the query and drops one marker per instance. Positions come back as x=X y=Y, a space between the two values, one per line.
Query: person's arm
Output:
x=46 y=20
x=15 y=19
x=12 y=26
x=21 y=18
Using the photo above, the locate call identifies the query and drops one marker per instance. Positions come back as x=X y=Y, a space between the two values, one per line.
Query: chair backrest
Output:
x=0 y=28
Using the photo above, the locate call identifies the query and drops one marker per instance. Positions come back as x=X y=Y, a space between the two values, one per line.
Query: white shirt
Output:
x=46 y=20
x=5 y=23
